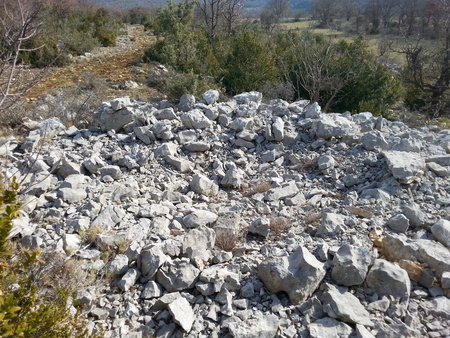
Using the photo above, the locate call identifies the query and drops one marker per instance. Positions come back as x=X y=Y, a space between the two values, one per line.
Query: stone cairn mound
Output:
x=243 y=218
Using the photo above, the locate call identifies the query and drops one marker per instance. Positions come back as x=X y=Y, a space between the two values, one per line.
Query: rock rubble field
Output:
x=243 y=219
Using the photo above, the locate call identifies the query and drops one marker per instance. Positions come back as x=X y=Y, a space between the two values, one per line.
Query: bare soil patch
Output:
x=112 y=65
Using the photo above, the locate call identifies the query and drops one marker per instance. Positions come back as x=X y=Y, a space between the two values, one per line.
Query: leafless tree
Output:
x=324 y=11
x=218 y=14
x=311 y=66
x=211 y=11
x=408 y=12
x=349 y=8
x=428 y=69
x=279 y=8
x=231 y=13
x=387 y=11
x=373 y=12
x=272 y=14
x=19 y=23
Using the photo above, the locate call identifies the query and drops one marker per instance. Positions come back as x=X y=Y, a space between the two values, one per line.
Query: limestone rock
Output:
x=404 y=166
x=150 y=261
x=94 y=164
x=387 y=279
x=259 y=326
x=335 y=125
x=325 y=163
x=439 y=306
x=351 y=264
x=260 y=227
x=195 y=119
x=416 y=217
x=441 y=231
x=72 y=243
x=108 y=217
x=197 y=147
x=51 y=127
x=211 y=96
x=182 y=313
x=313 y=111
x=275 y=130
x=129 y=279
x=180 y=164
x=434 y=254
x=70 y=195
x=166 y=149
x=342 y=305
x=112 y=171
x=286 y=190
x=329 y=327
x=204 y=186
x=399 y=223
x=177 y=275
x=187 y=102
x=330 y=224
x=374 y=140
x=233 y=178
x=438 y=169
x=151 y=290
x=198 y=218
x=108 y=118
x=298 y=275
x=117 y=266
x=201 y=238
x=120 y=103
x=249 y=97
x=165 y=114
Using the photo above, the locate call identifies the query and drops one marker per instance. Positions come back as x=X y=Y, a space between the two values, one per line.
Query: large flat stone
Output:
x=404 y=166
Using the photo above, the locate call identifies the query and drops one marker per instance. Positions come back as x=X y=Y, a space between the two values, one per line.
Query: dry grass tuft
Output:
x=306 y=163
x=60 y=273
x=228 y=240
x=313 y=218
x=279 y=225
x=89 y=235
x=258 y=188
x=261 y=187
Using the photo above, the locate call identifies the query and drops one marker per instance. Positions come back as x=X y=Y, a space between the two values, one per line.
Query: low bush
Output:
x=175 y=84
x=26 y=308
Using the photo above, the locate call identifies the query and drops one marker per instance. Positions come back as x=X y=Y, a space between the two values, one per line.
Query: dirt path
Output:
x=111 y=64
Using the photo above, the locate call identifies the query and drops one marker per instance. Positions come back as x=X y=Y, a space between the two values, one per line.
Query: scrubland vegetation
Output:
x=330 y=59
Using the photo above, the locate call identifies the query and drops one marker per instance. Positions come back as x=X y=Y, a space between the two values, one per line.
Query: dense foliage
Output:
x=249 y=64
x=339 y=75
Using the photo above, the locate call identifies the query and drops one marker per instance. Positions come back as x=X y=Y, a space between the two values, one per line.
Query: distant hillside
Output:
x=127 y=4
x=259 y=4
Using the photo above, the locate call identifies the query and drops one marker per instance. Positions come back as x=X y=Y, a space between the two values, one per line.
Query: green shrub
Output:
x=25 y=309
x=48 y=54
x=138 y=16
x=78 y=31
x=181 y=51
x=175 y=84
x=250 y=64
x=340 y=76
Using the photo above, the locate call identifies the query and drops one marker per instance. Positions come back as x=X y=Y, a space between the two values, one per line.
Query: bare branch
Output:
x=18 y=24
